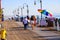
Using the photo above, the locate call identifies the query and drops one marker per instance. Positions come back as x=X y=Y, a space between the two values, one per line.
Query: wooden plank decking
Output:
x=18 y=33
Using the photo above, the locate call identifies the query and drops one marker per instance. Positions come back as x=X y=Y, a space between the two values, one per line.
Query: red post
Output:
x=0 y=4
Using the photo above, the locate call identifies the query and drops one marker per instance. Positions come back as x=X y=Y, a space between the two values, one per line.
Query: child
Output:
x=3 y=34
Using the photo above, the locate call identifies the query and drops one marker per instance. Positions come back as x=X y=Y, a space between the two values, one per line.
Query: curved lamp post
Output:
x=27 y=8
x=18 y=14
x=22 y=12
x=40 y=5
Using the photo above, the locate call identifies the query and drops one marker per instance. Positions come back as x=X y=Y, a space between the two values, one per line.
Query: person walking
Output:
x=25 y=22
x=2 y=17
x=28 y=18
x=33 y=22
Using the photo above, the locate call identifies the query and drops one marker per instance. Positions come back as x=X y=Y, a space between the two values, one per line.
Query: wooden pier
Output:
x=15 y=32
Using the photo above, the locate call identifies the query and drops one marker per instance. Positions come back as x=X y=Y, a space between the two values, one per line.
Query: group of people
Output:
x=31 y=21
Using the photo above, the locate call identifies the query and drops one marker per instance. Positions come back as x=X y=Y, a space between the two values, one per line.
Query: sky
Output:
x=12 y=5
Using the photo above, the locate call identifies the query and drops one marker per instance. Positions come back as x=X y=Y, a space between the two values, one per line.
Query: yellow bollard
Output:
x=3 y=34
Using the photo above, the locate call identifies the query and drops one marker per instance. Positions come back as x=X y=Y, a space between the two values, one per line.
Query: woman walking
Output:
x=33 y=22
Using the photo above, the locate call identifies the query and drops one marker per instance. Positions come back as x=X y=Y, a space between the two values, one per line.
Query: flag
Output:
x=39 y=10
x=50 y=14
x=44 y=12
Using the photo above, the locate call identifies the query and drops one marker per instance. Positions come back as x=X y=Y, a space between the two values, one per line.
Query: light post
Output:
x=22 y=12
x=14 y=13
x=27 y=8
x=41 y=7
x=27 y=11
x=17 y=10
x=18 y=14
